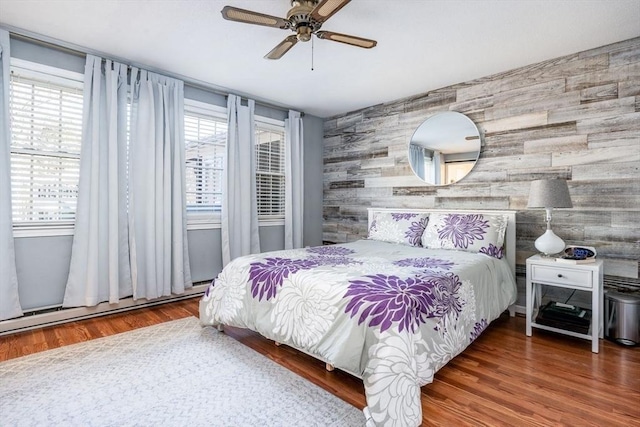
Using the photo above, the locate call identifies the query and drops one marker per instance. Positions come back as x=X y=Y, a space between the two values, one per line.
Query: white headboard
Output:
x=509 y=238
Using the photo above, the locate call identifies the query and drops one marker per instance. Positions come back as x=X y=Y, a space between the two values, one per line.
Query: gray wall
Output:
x=40 y=53
x=312 y=180
x=43 y=266
x=575 y=117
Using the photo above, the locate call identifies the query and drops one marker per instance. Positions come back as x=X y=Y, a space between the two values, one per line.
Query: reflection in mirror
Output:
x=444 y=148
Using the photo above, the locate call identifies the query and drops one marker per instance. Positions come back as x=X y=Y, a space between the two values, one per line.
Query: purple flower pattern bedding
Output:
x=402 y=227
x=466 y=232
x=390 y=314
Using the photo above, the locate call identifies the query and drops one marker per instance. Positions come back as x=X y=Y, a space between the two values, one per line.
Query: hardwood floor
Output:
x=503 y=378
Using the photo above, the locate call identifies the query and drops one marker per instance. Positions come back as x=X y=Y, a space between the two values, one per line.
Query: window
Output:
x=205 y=129
x=46 y=126
x=270 y=170
x=45 y=107
x=205 y=139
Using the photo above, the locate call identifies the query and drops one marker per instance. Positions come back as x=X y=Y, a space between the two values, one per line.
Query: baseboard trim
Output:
x=36 y=321
x=57 y=317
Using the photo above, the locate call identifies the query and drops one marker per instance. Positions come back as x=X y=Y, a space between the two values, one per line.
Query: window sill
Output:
x=213 y=225
x=21 y=232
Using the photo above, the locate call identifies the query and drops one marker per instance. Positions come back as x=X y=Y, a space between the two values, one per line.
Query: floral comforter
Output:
x=390 y=314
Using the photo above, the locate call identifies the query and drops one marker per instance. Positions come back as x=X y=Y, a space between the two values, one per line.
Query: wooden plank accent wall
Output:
x=576 y=117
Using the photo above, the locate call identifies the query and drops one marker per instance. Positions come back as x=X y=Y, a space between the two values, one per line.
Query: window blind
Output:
x=46 y=131
x=270 y=171
x=205 y=140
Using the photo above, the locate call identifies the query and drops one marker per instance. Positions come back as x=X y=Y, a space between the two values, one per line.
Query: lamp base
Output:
x=549 y=243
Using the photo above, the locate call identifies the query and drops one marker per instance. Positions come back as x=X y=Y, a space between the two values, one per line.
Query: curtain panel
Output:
x=99 y=269
x=9 y=298
x=294 y=181
x=157 y=196
x=416 y=159
x=239 y=216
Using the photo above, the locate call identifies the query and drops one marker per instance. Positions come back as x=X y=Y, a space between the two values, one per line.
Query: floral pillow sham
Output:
x=466 y=232
x=401 y=227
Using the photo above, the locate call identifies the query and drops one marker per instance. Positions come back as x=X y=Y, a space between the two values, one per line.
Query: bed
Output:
x=391 y=309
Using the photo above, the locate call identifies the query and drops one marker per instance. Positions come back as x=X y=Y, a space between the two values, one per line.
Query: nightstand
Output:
x=585 y=277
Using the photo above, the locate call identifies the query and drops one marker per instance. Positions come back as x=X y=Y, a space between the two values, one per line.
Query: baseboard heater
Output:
x=55 y=316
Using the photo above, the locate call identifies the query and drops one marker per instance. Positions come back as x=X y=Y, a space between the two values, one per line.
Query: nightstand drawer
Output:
x=562 y=275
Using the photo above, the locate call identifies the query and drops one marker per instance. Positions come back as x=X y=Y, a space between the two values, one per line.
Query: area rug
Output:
x=171 y=374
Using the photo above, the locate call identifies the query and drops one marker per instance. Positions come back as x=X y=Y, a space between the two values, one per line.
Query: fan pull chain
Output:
x=312 y=53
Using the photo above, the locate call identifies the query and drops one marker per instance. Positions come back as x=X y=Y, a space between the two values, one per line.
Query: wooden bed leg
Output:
x=277 y=343
x=329 y=367
x=220 y=327
x=512 y=310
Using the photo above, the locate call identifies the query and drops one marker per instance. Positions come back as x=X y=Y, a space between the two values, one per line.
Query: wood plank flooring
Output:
x=503 y=379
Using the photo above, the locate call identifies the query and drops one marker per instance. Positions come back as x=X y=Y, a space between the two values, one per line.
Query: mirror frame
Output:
x=433 y=124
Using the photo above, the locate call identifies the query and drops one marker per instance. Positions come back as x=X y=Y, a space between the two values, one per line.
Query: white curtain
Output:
x=99 y=269
x=417 y=159
x=437 y=165
x=294 y=181
x=157 y=201
x=239 y=205
x=9 y=299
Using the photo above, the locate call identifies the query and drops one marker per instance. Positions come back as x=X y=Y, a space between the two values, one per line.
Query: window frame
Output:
x=53 y=75
x=195 y=220
x=207 y=221
x=275 y=126
x=203 y=220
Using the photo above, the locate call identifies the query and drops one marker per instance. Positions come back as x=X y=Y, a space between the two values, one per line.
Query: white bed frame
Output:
x=509 y=238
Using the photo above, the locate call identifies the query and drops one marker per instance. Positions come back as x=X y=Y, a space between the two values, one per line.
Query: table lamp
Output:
x=549 y=194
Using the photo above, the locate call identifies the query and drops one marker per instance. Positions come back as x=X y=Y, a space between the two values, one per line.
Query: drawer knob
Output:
x=559 y=275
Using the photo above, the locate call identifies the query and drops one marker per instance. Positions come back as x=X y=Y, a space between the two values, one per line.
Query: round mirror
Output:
x=444 y=148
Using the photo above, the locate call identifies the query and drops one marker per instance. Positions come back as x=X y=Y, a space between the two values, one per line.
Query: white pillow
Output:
x=398 y=227
x=482 y=233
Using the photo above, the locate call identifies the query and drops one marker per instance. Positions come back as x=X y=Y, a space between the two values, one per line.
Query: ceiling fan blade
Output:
x=347 y=39
x=282 y=48
x=249 y=17
x=327 y=8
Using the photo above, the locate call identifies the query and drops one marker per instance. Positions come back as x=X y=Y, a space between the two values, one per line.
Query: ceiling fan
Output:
x=305 y=18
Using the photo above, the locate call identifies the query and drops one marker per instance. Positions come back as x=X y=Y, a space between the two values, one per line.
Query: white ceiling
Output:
x=422 y=44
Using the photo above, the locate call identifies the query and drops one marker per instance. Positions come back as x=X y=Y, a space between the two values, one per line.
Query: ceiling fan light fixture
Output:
x=303 y=32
